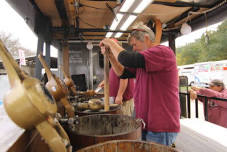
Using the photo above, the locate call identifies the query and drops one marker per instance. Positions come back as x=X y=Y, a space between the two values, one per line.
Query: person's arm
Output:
x=193 y=94
x=135 y=60
x=111 y=45
x=211 y=93
x=122 y=87
x=117 y=67
x=101 y=84
x=124 y=73
x=131 y=59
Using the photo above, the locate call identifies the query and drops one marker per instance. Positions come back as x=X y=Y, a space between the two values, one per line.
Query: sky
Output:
x=15 y=24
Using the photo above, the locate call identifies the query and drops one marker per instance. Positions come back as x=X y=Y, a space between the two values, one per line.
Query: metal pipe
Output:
x=205 y=111
x=189 y=106
x=90 y=69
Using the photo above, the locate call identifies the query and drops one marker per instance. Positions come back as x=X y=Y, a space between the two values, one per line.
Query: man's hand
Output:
x=103 y=49
x=195 y=88
x=101 y=84
x=193 y=94
x=106 y=42
x=118 y=100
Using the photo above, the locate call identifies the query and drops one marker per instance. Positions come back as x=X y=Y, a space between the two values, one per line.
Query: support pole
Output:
x=172 y=37
x=47 y=56
x=38 y=67
x=90 y=69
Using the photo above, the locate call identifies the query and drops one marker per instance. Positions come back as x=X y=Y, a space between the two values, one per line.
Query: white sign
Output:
x=22 y=57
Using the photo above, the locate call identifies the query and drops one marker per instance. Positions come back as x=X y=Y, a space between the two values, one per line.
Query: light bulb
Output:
x=185 y=29
x=89 y=45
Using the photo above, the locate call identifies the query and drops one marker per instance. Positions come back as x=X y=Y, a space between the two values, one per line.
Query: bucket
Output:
x=93 y=129
x=127 y=146
x=113 y=110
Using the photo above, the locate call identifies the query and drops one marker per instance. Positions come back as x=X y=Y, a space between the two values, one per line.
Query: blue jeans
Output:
x=165 y=138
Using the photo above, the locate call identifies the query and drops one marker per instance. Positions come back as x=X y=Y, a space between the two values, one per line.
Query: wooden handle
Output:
x=15 y=74
x=45 y=66
x=65 y=75
x=69 y=82
x=73 y=89
x=69 y=108
x=106 y=84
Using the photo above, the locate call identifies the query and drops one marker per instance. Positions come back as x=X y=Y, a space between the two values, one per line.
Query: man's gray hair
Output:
x=217 y=82
x=139 y=31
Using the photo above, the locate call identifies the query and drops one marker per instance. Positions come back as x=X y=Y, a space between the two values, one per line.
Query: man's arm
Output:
x=111 y=49
x=126 y=58
x=117 y=67
x=101 y=84
x=212 y=93
x=122 y=87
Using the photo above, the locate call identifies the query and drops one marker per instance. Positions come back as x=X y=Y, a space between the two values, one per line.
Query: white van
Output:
x=200 y=74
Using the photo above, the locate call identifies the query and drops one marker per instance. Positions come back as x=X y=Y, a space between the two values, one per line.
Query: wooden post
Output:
x=106 y=84
x=172 y=45
x=158 y=34
x=66 y=59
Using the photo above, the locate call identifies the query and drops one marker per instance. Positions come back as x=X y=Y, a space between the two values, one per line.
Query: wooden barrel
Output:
x=93 y=129
x=114 y=110
x=127 y=146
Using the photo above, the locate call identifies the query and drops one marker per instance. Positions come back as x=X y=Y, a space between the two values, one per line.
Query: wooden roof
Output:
x=88 y=20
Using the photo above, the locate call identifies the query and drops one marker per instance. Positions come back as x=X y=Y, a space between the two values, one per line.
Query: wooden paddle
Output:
x=106 y=83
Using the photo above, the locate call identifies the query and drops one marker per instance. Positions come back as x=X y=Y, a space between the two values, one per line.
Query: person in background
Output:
x=121 y=91
x=156 y=93
x=217 y=110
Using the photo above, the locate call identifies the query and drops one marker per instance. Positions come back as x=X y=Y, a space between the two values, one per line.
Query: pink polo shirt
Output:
x=156 y=92
x=217 y=110
x=114 y=82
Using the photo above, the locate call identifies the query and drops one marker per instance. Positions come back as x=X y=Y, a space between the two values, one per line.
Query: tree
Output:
x=13 y=45
x=189 y=53
x=211 y=46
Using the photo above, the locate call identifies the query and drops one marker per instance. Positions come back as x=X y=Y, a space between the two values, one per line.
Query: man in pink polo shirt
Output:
x=217 y=110
x=156 y=90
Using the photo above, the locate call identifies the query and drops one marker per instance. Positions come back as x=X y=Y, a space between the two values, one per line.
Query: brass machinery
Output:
x=61 y=91
x=56 y=87
x=29 y=105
